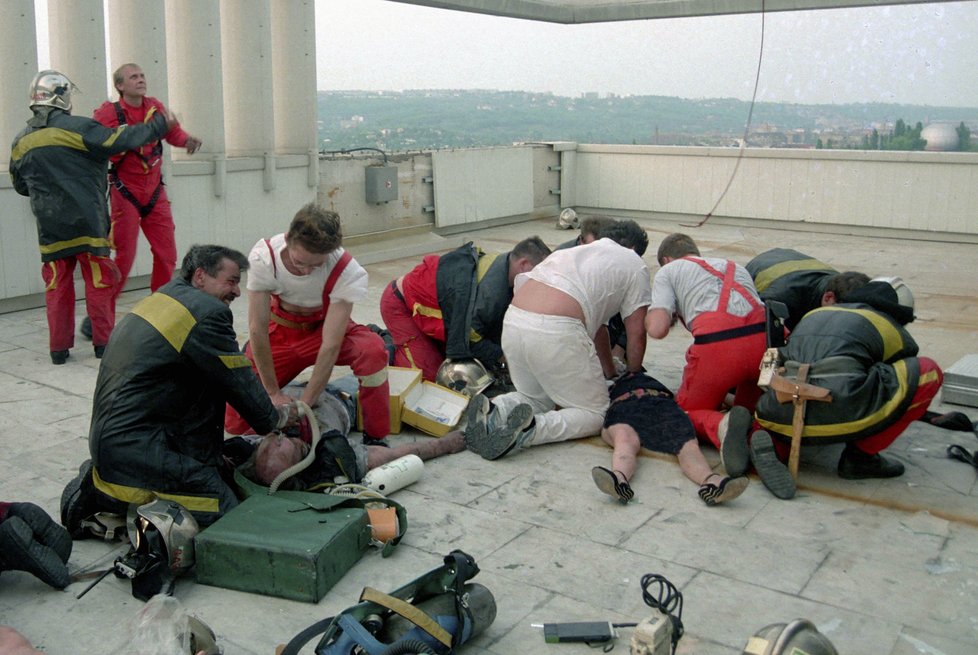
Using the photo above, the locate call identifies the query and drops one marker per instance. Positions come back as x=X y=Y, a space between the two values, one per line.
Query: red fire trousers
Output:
x=101 y=279
x=412 y=347
x=160 y=232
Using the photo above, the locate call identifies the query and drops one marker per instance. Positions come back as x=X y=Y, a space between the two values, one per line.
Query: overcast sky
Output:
x=918 y=54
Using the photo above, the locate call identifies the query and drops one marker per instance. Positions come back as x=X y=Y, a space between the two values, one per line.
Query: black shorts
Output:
x=659 y=422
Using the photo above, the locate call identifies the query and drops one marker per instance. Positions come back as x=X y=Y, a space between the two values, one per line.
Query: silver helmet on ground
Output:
x=466 y=376
x=568 y=220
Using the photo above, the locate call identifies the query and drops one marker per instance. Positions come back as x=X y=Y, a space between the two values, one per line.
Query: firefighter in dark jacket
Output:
x=60 y=161
x=799 y=281
x=452 y=306
x=157 y=418
x=860 y=351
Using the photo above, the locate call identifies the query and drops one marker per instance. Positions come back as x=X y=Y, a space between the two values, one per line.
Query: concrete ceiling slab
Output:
x=600 y=11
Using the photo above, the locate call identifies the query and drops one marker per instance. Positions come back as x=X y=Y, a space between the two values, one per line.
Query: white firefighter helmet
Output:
x=466 y=376
x=568 y=220
x=49 y=88
x=175 y=525
x=800 y=637
x=904 y=295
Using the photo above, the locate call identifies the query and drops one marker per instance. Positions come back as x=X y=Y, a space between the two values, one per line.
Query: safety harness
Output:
x=277 y=313
x=147 y=162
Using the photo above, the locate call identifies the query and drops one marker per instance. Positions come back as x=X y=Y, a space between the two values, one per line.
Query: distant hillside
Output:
x=413 y=120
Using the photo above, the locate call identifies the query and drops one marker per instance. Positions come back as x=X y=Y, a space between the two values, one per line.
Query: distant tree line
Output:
x=431 y=119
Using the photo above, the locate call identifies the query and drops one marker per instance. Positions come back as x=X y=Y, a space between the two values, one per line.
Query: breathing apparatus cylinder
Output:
x=479 y=600
x=394 y=475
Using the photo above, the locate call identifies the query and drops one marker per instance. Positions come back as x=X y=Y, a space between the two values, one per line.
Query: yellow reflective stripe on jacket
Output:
x=116 y=133
x=892 y=340
x=58 y=246
x=142 y=496
x=772 y=273
x=235 y=361
x=424 y=310
x=849 y=427
x=170 y=318
x=46 y=137
x=485 y=261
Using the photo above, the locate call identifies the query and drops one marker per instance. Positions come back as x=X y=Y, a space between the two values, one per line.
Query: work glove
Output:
x=31 y=541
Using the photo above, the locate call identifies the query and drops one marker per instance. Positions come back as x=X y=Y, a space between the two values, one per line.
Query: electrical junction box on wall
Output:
x=381 y=184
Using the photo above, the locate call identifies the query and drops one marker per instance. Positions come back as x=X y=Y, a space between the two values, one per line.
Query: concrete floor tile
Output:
x=730 y=611
x=928 y=590
x=693 y=539
x=915 y=642
x=441 y=526
x=842 y=526
x=603 y=576
x=517 y=605
x=523 y=637
x=561 y=502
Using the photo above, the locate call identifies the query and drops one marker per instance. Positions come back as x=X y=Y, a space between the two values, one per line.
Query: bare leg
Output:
x=428 y=448
x=626 y=444
x=692 y=463
x=715 y=488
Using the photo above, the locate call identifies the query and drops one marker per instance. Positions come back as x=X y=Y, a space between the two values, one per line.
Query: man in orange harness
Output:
x=716 y=301
x=301 y=289
x=137 y=193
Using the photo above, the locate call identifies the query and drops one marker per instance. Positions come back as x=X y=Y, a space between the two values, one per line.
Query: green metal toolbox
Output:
x=292 y=544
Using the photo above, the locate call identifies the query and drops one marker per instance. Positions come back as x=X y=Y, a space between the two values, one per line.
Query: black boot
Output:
x=857 y=465
x=59 y=357
x=86 y=328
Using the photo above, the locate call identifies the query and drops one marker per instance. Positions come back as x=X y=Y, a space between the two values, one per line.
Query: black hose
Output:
x=409 y=647
x=304 y=637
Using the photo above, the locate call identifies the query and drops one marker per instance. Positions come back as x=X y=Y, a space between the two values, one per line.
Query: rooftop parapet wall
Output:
x=930 y=192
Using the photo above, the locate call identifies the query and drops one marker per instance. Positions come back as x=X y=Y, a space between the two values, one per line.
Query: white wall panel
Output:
x=916 y=191
x=480 y=184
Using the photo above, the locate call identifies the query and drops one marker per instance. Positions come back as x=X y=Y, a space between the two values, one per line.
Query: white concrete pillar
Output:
x=193 y=42
x=247 y=47
x=76 y=29
x=294 y=74
x=137 y=35
x=18 y=65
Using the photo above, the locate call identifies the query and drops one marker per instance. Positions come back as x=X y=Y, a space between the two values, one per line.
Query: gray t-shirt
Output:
x=684 y=288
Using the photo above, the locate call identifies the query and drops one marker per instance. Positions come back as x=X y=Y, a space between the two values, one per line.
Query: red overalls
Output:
x=101 y=278
x=726 y=353
x=295 y=341
x=138 y=196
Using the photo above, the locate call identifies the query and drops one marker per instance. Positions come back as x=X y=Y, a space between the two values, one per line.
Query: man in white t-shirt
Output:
x=555 y=340
x=301 y=289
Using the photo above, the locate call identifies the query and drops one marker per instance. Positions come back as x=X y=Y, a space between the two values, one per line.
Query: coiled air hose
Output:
x=303 y=410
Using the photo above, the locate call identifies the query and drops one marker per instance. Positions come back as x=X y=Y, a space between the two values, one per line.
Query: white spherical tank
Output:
x=940 y=137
